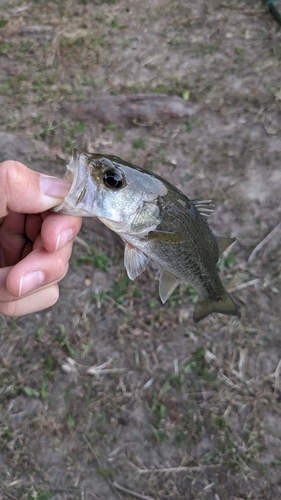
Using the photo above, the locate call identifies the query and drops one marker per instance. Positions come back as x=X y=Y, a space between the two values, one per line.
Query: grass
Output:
x=188 y=395
x=43 y=495
x=120 y=289
x=192 y=123
x=65 y=343
x=5 y=47
x=99 y=260
x=138 y=143
x=30 y=392
x=227 y=260
x=115 y=24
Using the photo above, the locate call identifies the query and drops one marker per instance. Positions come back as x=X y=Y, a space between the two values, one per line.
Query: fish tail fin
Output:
x=224 y=305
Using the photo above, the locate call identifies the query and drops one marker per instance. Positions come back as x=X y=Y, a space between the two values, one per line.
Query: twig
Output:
x=244 y=285
x=102 y=366
x=263 y=242
x=10 y=495
x=97 y=372
x=196 y=468
x=243 y=10
x=81 y=242
x=131 y=492
x=224 y=378
x=93 y=495
x=277 y=378
x=54 y=49
x=63 y=489
x=101 y=369
x=110 y=299
x=110 y=483
x=71 y=366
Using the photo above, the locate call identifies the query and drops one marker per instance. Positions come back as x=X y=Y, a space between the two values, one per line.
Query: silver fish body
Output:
x=156 y=221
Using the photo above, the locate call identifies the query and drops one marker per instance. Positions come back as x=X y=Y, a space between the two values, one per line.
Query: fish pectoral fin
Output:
x=168 y=283
x=164 y=237
x=224 y=243
x=224 y=305
x=135 y=261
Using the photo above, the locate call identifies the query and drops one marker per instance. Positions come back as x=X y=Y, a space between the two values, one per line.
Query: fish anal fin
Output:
x=135 y=261
x=224 y=243
x=224 y=306
x=168 y=283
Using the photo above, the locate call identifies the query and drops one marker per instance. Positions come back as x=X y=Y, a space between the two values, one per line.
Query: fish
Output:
x=156 y=221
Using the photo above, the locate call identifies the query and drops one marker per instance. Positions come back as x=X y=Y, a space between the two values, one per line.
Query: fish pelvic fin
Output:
x=224 y=306
x=135 y=261
x=168 y=283
x=224 y=243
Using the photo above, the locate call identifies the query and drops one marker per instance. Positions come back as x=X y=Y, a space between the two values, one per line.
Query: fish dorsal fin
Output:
x=168 y=282
x=135 y=261
x=204 y=207
x=223 y=243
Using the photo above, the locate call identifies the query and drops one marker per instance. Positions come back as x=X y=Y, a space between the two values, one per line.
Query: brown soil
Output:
x=179 y=411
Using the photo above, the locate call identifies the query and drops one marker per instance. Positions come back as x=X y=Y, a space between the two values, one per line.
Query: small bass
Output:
x=156 y=221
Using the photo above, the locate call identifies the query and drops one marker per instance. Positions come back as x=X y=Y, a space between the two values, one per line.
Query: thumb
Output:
x=26 y=191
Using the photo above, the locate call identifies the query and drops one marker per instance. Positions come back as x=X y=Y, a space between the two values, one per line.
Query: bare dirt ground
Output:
x=175 y=411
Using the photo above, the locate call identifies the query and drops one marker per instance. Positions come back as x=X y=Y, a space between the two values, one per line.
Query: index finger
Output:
x=26 y=191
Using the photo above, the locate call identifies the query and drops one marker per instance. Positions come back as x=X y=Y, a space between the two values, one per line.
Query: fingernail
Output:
x=54 y=187
x=31 y=281
x=63 y=238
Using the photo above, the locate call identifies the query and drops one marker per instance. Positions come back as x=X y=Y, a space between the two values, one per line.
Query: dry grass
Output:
x=109 y=394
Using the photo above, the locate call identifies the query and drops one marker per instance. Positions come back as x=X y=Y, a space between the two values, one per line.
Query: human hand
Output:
x=35 y=245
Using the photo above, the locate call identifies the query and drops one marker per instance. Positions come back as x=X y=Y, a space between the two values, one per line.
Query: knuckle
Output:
x=62 y=267
x=49 y=296
x=56 y=294
x=13 y=179
x=9 y=309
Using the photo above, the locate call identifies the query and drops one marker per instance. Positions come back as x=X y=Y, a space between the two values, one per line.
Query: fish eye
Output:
x=113 y=179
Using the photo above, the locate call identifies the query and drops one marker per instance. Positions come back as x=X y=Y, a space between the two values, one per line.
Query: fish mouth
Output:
x=79 y=200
